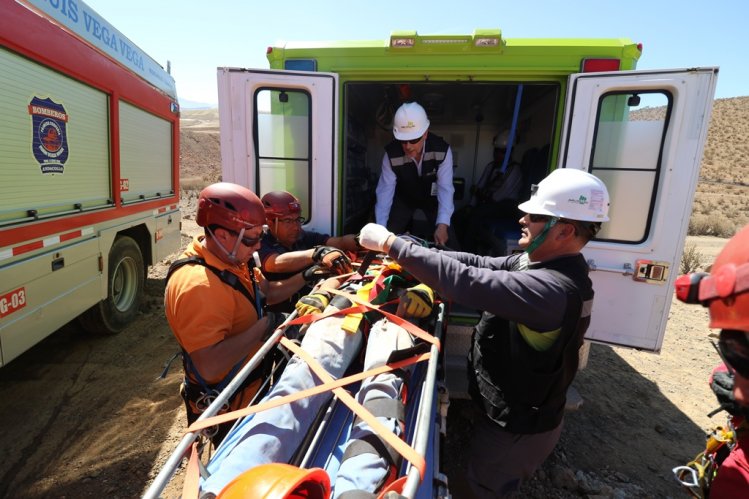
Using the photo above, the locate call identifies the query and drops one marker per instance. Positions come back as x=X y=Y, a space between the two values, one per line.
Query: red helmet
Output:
x=230 y=206
x=281 y=204
x=278 y=481
x=726 y=289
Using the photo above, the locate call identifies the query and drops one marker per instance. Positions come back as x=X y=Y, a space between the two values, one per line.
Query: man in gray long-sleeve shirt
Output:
x=536 y=308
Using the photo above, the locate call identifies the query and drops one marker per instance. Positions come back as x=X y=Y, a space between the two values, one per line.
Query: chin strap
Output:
x=540 y=238
x=232 y=256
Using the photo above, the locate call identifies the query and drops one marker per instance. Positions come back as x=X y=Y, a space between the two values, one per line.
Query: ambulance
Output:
x=89 y=172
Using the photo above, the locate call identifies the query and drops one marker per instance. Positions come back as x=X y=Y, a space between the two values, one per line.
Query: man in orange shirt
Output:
x=212 y=301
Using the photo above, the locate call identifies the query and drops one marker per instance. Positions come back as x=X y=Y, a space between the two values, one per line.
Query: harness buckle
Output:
x=206 y=399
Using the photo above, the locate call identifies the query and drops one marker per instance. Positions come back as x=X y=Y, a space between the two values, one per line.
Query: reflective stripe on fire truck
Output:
x=44 y=243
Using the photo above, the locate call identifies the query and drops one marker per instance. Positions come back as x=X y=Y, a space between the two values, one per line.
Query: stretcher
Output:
x=322 y=446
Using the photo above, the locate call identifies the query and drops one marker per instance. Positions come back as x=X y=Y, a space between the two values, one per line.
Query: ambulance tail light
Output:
x=598 y=65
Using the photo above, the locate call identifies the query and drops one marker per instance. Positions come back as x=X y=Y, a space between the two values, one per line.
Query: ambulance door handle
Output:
x=625 y=269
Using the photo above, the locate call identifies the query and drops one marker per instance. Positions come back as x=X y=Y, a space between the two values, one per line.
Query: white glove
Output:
x=373 y=237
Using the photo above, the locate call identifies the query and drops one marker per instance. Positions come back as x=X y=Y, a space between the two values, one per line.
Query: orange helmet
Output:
x=726 y=289
x=281 y=204
x=230 y=206
x=278 y=481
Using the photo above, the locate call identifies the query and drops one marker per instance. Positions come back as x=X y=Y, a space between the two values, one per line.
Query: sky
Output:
x=199 y=36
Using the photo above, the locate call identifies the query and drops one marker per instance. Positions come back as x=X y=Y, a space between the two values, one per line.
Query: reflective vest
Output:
x=522 y=389
x=410 y=188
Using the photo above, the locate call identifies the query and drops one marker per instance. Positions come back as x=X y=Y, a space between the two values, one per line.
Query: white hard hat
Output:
x=410 y=121
x=502 y=139
x=571 y=194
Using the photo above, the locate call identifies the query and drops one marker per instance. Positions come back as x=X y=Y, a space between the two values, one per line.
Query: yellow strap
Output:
x=351 y=321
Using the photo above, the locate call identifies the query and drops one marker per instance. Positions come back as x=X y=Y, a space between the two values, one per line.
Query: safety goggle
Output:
x=412 y=141
x=734 y=347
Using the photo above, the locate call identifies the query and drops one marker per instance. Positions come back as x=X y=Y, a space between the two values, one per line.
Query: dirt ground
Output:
x=89 y=417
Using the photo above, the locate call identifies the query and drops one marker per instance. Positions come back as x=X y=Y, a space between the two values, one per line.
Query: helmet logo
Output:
x=410 y=124
x=582 y=200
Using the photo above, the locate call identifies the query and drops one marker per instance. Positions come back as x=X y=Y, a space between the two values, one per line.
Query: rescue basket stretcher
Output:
x=322 y=446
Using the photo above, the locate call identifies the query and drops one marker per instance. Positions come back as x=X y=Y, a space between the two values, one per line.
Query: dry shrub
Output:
x=713 y=225
x=193 y=183
x=723 y=227
x=699 y=225
x=691 y=259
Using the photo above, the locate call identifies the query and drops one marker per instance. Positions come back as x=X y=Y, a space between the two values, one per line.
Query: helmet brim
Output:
x=534 y=207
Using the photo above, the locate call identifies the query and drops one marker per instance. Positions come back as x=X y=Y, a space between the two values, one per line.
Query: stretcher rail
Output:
x=172 y=464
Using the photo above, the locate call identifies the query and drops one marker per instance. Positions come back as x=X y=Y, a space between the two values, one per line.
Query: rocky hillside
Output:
x=200 y=148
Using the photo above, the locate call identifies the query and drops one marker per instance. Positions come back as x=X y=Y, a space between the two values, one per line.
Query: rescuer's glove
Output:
x=374 y=237
x=316 y=272
x=332 y=258
x=313 y=303
x=416 y=302
x=721 y=382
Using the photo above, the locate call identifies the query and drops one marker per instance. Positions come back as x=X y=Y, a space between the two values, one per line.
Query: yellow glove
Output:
x=417 y=302
x=313 y=303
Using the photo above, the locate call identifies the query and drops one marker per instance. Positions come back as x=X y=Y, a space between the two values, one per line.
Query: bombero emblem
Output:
x=50 y=136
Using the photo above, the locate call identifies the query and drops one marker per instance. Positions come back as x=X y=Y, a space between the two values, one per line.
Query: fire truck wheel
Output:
x=125 y=290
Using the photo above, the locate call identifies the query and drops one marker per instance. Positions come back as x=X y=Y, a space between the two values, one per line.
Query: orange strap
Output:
x=329 y=384
x=191 y=485
x=325 y=387
x=395 y=442
x=408 y=326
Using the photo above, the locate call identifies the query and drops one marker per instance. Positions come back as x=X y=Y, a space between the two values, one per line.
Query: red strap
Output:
x=395 y=486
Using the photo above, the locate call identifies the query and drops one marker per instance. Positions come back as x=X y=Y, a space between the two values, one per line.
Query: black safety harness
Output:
x=203 y=394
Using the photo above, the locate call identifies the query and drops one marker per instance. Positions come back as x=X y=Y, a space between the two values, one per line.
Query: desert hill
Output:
x=721 y=204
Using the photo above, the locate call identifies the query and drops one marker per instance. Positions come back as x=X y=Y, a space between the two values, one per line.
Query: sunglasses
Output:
x=412 y=141
x=297 y=220
x=249 y=241
x=536 y=218
x=734 y=347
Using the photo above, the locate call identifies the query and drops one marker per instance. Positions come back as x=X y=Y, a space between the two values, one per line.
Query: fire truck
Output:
x=89 y=174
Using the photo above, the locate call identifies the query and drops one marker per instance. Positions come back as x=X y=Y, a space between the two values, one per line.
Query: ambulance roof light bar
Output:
x=480 y=38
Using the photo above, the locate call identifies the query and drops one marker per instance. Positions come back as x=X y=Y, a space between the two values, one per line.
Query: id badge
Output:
x=434 y=189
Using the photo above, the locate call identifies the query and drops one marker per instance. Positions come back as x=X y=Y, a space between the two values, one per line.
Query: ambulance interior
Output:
x=468 y=116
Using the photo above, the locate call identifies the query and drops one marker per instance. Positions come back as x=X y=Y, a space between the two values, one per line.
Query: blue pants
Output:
x=274 y=435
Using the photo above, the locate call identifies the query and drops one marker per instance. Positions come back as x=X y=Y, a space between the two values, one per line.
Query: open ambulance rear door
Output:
x=650 y=163
x=291 y=116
